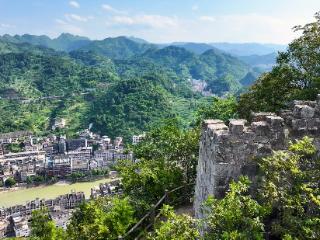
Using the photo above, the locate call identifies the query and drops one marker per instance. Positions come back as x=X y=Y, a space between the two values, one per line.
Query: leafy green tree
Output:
x=10 y=182
x=147 y=180
x=101 y=219
x=175 y=227
x=220 y=108
x=236 y=216
x=29 y=180
x=76 y=176
x=291 y=188
x=296 y=75
x=43 y=228
x=14 y=147
x=176 y=146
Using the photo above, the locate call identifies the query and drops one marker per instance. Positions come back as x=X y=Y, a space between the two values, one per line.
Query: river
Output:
x=21 y=196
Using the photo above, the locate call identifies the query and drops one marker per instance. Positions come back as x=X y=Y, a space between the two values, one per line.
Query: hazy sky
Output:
x=267 y=21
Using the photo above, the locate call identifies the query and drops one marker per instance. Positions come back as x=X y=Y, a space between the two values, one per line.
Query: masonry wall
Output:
x=226 y=152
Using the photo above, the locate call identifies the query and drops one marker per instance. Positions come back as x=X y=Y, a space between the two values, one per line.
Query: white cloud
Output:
x=5 y=25
x=207 y=18
x=123 y=20
x=75 y=17
x=67 y=27
x=195 y=7
x=74 y=4
x=111 y=9
x=153 y=21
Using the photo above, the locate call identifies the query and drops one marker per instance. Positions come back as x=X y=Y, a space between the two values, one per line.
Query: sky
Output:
x=160 y=21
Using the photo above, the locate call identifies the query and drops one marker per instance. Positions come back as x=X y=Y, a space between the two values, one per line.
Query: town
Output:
x=27 y=161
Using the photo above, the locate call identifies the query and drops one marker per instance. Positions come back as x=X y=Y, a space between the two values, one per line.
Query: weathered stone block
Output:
x=263 y=150
x=237 y=126
x=260 y=128
x=299 y=124
x=313 y=124
x=261 y=116
x=303 y=111
x=275 y=122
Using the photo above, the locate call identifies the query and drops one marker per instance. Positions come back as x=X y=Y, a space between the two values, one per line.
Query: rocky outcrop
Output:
x=226 y=152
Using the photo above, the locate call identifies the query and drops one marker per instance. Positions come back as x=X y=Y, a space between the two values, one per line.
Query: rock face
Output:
x=226 y=152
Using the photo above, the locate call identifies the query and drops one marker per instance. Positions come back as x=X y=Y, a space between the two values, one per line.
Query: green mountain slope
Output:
x=120 y=97
x=117 y=48
x=129 y=107
x=221 y=71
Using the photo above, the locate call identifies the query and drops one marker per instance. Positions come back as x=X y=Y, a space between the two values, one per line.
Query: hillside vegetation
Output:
x=121 y=85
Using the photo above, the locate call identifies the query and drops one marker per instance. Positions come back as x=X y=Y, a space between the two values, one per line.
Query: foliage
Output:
x=296 y=75
x=14 y=147
x=10 y=182
x=147 y=180
x=175 y=227
x=236 y=216
x=76 y=176
x=127 y=107
x=43 y=228
x=37 y=179
x=220 y=108
x=177 y=146
x=290 y=186
x=103 y=218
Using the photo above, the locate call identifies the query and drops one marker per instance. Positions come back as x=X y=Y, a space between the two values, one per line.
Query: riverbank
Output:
x=21 y=196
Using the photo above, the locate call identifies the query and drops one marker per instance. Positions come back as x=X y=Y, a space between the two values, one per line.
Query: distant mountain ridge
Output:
x=65 y=42
x=222 y=70
x=117 y=48
x=258 y=55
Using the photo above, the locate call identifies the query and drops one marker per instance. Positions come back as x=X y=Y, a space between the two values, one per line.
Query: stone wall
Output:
x=226 y=152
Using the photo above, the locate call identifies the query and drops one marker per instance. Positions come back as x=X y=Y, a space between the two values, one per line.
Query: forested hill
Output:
x=38 y=85
x=117 y=48
x=221 y=71
x=104 y=82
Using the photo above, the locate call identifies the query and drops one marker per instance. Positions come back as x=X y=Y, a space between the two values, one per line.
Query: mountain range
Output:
x=121 y=85
x=247 y=52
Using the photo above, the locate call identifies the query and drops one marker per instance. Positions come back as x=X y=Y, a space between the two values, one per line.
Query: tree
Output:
x=147 y=180
x=296 y=75
x=175 y=227
x=220 y=108
x=103 y=218
x=291 y=188
x=10 y=182
x=236 y=216
x=176 y=146
x=43 y=228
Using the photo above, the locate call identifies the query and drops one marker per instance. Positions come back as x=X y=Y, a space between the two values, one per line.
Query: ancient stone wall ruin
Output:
x=226 y=152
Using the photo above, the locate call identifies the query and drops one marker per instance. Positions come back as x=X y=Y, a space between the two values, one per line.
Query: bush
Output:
x=10 y=182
